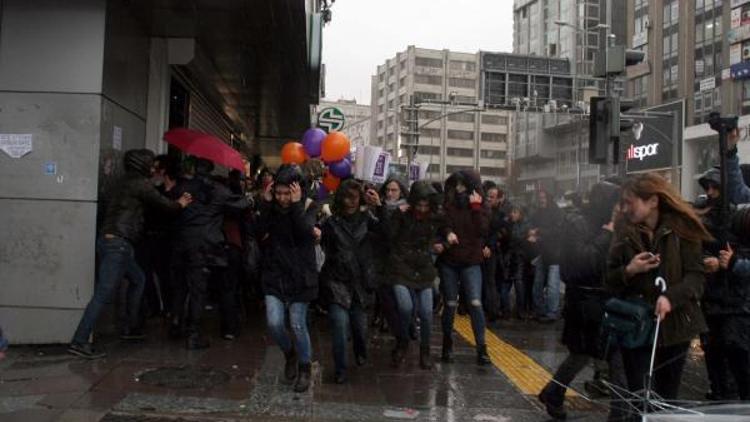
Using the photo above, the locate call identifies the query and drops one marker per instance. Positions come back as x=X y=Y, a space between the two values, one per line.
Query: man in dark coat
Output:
x=122 y=228
x=289 y=277
x=200 y=247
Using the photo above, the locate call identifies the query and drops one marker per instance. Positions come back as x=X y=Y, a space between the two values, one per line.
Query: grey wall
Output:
x=48 y=230
x=59 y=83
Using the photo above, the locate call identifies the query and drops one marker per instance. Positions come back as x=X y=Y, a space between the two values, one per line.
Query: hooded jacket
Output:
x=470 y=223
x=285 y=236
x=380 y=244
x=124 y=216
x=411 y=237
x=348 y=274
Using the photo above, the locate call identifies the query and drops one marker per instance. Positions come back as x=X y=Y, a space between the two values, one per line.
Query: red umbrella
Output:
x=205 y=146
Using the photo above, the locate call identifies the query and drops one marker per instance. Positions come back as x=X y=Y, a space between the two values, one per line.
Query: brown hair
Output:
x=683 y=221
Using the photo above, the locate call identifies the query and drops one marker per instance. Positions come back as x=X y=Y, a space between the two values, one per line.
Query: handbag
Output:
x=628 y=323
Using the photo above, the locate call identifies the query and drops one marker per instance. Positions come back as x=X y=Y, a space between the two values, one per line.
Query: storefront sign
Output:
x=735 y=18
x=738 y=34
x=641 y=152
x=740 y=71
x=708 y=84
x=735 y=53
x=653 y=150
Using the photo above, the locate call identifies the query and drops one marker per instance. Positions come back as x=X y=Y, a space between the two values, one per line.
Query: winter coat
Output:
x=201 y=226
x=739 y=192
x=380 y=244
x=549 y=221
x=411 y=263
x=287 y=243
x=348 y=274
x=681 y=266
x=583 y=265
x=124 y=216
x=471 y=226
x=736 y=321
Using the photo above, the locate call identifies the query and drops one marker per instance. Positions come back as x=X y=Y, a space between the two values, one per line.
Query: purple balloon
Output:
x=341 y=169
x=312 y=140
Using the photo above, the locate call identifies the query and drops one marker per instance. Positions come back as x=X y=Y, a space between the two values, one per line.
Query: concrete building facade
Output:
x=576 y=30
x=697 y=52
x=455 y=133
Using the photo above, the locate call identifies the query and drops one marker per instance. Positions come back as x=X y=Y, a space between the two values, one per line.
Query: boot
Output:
x=482 y=357
x=425 y=360
x=290 y=367
x=399 y=354
x=303 y=378
x=447 y=355
x=196 y=342
x=553 y=406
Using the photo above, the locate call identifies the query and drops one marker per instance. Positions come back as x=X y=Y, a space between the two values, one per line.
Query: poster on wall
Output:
x=16 y=145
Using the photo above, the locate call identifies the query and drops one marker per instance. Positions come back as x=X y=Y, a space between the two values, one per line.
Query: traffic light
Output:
x=616 y=58
x=599 y=129
x=605 y=125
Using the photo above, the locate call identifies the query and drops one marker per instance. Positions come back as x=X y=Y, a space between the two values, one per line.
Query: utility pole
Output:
x=410 y=133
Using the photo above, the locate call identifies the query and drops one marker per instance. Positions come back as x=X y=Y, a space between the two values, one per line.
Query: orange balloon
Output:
x=331 y=182
x=293 y=153
x=335 y=147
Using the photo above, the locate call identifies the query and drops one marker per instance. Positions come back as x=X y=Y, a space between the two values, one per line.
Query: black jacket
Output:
x=348 y=274
x=549 y=222
x=201 y=225
x=583 y=266
x=125 y=213
x=287 y=243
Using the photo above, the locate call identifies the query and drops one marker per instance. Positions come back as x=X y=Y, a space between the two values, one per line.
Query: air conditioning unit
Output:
x=746 y=52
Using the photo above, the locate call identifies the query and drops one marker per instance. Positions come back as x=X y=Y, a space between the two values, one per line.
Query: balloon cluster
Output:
x=332 y=148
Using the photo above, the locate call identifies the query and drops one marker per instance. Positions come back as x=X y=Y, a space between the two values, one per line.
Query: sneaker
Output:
x=85 y=351
x=229 y=337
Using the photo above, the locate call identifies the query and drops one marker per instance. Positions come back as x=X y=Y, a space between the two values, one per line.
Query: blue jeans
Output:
x=342 y=321
x=409 y=299
x=470 y=278
x=116 y=260
x=276 y=320
x=547 y=300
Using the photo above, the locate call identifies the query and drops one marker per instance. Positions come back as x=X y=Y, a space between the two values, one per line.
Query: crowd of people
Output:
x=398 y=257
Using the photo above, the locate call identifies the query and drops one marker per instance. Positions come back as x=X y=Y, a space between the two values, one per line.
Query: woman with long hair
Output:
x=659 y=234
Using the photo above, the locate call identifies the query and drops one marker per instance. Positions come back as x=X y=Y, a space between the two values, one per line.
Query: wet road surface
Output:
x=158 y=380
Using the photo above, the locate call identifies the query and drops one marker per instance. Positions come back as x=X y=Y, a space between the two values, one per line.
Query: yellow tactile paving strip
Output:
x=527 y=375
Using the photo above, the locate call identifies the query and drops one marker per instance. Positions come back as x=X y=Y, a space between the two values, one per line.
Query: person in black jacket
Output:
x=289 y=277
x=200 y=247
x=547 y=223
x=717 y=282
x=587 y=235
x=122 y=227
x=348 y=274
x=413 y=235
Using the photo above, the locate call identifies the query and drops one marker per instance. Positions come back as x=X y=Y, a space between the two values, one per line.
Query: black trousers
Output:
x=668 y=366
x=190 y=276
x=717 y=360
x=490 y=296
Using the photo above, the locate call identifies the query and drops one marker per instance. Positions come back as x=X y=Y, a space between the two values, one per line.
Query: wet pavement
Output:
x=158 y=380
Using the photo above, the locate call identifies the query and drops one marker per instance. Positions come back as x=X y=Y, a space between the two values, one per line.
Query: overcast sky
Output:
x=364 y=33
